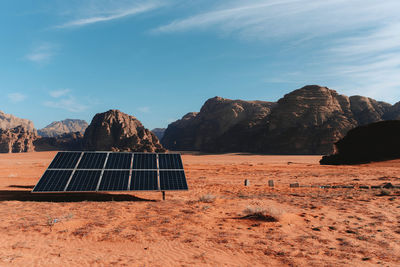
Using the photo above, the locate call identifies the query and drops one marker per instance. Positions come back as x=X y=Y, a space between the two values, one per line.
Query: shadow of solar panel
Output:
x=144 y=180
x=84 y=181
x=53 y=181
x=114 y=181
x=170 y=161
x=173 y=180
x=119 y=161
x=92 y=160
x=65 y=160
x=144 y=161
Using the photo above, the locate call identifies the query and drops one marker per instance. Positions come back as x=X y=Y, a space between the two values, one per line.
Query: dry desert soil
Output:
x=218 y=222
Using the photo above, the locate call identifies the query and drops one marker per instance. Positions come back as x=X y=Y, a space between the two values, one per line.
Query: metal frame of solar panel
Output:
x=100 y=171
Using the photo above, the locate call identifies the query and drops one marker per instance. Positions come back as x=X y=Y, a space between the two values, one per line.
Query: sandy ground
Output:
x=315 y=227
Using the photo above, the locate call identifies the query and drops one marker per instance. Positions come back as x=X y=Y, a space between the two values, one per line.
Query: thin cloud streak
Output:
x=16 y=97
x=59 y=93
x=65 y=100
x=41 y=53
x=113 y=15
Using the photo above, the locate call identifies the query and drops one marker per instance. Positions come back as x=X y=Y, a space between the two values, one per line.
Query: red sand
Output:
x=316 y=227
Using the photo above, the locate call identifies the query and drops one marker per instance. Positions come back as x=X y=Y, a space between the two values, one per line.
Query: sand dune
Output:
x=204 y=226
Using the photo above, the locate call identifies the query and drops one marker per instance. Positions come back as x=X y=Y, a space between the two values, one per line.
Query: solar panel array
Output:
x=113 y=171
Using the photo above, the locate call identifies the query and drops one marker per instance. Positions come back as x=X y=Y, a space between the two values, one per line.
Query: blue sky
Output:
x=158 y=60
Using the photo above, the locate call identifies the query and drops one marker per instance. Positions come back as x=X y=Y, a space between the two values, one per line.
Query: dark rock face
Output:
x=67 y=141
x=8 y=121
x=306 y=121
x=17 y=140
x=374 y=142
x=159 y=132
x=393 y=113
x=57 y=128
x=117 y=131
x=217 y=127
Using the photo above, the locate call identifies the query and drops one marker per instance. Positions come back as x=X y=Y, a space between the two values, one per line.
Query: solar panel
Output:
x=144 y=161
x=114 y=181
x=84 y=181
x=65 y=160
x=173 y=180
x=53 y=181
x=119 y=161
x=113 y=171
x=170 y=161
x=92 y=160
x=144 y=180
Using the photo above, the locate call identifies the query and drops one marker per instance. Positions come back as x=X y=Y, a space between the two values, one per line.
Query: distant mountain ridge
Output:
x=9 y=121
x=308 y=120
x=57 y=128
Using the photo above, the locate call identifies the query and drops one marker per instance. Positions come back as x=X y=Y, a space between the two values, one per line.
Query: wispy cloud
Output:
x=110 y=12
x=41 y=53
x=59 y=93
x=16 y=97
x=265 y=19
x=356 y=43
x=144 y=109
x=63 y=99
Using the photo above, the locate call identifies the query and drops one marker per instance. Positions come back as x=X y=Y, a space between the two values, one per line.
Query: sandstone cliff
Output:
x=8 y=121
x=117 y=131
x=308 y=120
x=373 y=142
x=218 y=127
x=66 y=141
x=17 y=140
x=159 y=132
x=57 y=128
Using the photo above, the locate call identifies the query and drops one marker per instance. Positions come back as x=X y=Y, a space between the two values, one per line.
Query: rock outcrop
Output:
x=117 y=131
x=8 y=121
x=218 y=127
x=393 y=113
x=306 y=121
x=66 y=141
x=159 y=132
x=17 y=140
x=373 y=142
x=57 y=128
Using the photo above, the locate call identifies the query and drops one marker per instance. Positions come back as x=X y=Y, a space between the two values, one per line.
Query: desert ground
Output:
x=218 y=222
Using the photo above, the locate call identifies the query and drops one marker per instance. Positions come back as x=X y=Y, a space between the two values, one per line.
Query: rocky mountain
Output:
x=61 y=127
x=218 y=127
x=308 y=120
x=66 y=141
x=8 y=121
x=17 y=140
x=373 y=142
x=159 y=132
x=117 y=131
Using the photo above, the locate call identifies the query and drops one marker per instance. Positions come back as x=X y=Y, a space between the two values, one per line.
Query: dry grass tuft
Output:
x=261 y=214
x=207 y=198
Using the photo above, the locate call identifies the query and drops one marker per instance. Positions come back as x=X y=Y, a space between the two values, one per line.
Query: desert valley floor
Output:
x=207 y=225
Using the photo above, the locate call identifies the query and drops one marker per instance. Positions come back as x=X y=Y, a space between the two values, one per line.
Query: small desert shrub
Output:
x=262 y=214
x=207 y=198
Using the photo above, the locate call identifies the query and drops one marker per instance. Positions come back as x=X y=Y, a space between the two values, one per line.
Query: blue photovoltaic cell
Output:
x=81 y=172
x=53 y=181
x=173 y=180
x=119 y=161
x=84 y=181
x=170 y=161
x=114 y=181
x=144 y=161
x=144 y=180
x=65 y=160
x=92 y=160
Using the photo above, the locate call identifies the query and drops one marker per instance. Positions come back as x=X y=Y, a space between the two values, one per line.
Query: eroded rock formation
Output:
x=66 y=141
x=306 y=121
x=17 y=140
x=57 y=128
x=8 y=121
x=373 y=142
x=116 y=131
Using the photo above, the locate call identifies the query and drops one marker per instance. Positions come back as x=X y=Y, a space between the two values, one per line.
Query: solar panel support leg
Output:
x=163 y=195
